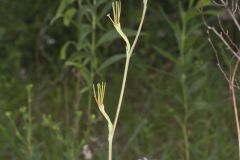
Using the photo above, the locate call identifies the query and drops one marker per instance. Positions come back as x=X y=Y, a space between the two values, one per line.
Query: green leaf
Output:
x=82 y=68
x=198 y=84
x=73 y=64
x=68 y=16
x=64 y=4
x=86 y=75
x=85 y=89
x=78 y=59
x=182 y=13
x=86 y=10
x=63 y=51
x=100 y=2
x=190 y=14
x=200 y=104
x=112 y=35
x=165 y=54
x=211 y=13
x=111 y=61
x=84 y=30
x=203 y=3
x=174 y=26
x=104 y=11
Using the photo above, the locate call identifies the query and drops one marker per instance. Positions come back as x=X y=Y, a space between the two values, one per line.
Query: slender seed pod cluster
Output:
x=99 y=97
x=116 y=6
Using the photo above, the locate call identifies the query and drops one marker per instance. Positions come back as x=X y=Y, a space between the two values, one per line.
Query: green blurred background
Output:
x=177 y=102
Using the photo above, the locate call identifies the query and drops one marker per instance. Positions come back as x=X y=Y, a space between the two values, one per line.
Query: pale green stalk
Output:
x=92 y=68
x=128 y=57
x=184 y=90
x=101 y=87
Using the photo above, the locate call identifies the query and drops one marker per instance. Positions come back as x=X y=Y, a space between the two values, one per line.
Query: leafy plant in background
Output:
x=232 y=9
x=80 y=56
x=157 y=105
x=186 y=56
x=27 y=149
x=99 y=97
x=83 y=16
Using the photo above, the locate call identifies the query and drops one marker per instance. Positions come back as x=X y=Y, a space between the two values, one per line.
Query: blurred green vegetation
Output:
x=177 y=104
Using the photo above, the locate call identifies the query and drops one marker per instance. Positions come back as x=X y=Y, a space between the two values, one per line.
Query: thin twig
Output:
x=232 y=79
x=234 y=100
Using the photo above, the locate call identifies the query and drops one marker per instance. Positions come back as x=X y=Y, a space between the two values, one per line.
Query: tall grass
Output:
x=186 y=53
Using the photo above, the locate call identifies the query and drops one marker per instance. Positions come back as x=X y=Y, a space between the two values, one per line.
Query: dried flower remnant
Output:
x=99 y=94
x=116 y=23
x=99 y=97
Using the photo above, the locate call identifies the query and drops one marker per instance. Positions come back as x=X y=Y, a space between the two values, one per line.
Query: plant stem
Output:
x=129 y=51
x=234 y=100
x=29 y=121
x=92 y=65
x=77 y=104
x=112 y=130
x=182 y=44
x=186 y=142
x=139 y=29
x=66 y=100
x=128 y=57
x=110 y=139
x=183 y=86
x=184 y=125
x=121 y=94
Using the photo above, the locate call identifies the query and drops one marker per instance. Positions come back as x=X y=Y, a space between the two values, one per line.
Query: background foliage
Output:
x=177 y=104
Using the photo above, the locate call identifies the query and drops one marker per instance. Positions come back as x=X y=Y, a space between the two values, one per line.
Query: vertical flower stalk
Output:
x=129 y=48
x=116 y=6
